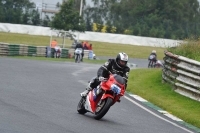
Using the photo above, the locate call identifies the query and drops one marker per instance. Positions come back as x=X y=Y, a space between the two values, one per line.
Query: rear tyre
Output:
x=103 y=109
x=80 y=107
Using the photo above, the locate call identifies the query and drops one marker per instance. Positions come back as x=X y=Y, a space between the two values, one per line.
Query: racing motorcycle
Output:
x=157 y=64
x=99 y=100
x=78 y=55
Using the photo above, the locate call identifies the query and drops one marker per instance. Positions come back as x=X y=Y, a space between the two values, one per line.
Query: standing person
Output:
x=54 y=43
x=57 y=51
x=90 y=47
x=152 y=58
x=79 y=45
x=115 y=66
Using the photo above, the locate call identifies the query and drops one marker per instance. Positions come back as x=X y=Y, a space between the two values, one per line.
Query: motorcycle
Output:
x=158 y=64
x=99 y=100
x=78 y=55
x=153 y=64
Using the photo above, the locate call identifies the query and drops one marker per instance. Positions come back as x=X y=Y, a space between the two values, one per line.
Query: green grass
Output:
x=99 y=48
x=147 y=83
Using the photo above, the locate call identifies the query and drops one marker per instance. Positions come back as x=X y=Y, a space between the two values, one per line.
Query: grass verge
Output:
x=99 y=48
x=147 y=83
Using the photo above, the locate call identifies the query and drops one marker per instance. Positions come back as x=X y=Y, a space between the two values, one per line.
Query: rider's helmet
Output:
x=122 y=59
x=153 y=51
x=79 y=45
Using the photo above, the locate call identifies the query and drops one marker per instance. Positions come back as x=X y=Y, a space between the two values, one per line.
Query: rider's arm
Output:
x=104 y=69
x=126 y=74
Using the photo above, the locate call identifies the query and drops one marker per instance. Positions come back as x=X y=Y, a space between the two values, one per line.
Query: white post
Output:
x=50 y=39
x=64 y=39
x=81 y=6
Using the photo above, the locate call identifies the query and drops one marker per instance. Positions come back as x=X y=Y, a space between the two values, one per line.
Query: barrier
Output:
x=3 y=49
x=183 y=74
x=25 y=50
x=92 y=36
x=32 y=50
x=65 y=53
x=13 y=50
x=41 y=51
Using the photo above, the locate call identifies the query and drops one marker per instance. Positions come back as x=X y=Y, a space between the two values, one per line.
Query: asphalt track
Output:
x=42 y=97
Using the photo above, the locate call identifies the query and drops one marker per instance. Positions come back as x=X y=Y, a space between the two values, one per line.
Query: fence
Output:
x=39 y=51
x=92 y=36
x=183 y=73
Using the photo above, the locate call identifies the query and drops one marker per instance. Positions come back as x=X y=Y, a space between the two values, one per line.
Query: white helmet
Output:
x=122 y=59
x=153 y=51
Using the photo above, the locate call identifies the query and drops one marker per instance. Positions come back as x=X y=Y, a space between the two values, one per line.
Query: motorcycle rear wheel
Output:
x=103 y=109
x=80 y=107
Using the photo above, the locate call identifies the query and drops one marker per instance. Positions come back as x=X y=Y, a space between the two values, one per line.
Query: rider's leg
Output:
x=82 y=56
x=92 y=84
x=149 y=63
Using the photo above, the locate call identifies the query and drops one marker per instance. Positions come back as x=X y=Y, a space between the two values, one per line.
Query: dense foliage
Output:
x=68 y=18
x=19 y=12
x=173 y=19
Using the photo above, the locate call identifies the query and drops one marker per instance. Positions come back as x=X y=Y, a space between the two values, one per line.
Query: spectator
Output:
x=85 y=47
x=90 y=47
x=54 y=43
x=57 y=51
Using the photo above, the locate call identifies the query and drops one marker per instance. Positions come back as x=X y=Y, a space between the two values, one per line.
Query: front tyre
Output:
x=103 y=108
x=78 y=58
x=80 y=107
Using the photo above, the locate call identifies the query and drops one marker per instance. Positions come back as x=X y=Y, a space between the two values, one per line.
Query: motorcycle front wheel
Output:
x=103 y=107
x=80 y=107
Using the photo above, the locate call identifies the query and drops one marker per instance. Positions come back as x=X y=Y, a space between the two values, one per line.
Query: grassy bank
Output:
x=99 y=48
x=189 y=49
x=147 y=83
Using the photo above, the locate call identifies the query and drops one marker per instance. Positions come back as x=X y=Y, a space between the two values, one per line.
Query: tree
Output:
x=35 y=17
x=68 y=18
x=46 y=21
x=177 y=19
x=13 y=11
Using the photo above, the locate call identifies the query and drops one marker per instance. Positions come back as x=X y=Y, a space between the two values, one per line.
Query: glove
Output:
x=101 y=78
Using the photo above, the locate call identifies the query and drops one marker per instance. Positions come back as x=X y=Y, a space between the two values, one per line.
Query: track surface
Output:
x=42 y=96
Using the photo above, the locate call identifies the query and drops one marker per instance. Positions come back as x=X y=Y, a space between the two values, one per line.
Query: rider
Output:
x=115 y=66
x=152 y=58
x=79 y=45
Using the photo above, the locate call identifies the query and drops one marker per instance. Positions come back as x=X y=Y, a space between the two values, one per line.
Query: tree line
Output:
x=173 y=19
x=21 y=12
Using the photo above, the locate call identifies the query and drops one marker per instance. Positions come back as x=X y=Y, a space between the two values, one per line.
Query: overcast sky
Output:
x=53 y=2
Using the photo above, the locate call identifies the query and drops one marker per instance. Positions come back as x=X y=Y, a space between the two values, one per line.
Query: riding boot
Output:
x=88 y=89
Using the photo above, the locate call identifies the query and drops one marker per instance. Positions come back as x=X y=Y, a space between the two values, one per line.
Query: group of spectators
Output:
x=86 y=45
